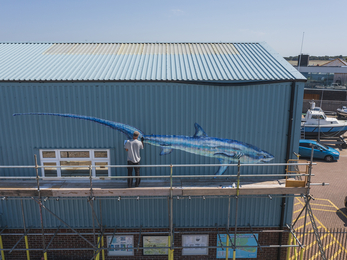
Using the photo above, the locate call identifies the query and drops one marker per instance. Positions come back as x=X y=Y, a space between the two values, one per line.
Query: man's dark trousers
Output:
x=130 y=173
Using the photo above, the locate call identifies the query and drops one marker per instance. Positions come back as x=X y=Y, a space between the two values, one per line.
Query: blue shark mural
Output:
x=227 y=151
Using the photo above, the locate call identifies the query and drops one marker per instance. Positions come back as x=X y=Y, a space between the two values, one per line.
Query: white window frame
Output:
x=58 y=159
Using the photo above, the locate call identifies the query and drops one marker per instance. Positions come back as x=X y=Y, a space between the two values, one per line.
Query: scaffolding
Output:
x=98 y=244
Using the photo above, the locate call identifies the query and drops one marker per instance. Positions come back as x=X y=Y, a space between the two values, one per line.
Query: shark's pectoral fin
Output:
x=235 y=155
x=199 y=132
x=165 y=151
x=222 y=168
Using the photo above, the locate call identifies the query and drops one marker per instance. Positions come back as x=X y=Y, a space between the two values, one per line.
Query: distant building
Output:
x=339 y=78
x=332 y=74
x=326 y=83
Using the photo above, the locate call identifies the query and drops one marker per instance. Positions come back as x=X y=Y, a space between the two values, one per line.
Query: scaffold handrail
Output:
x=152 y=177
x=286 y=175
x=151 y=165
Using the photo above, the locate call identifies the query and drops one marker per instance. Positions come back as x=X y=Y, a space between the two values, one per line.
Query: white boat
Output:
x=332 y=86
x=317 y=123
x=338 y=86
x=342 y=112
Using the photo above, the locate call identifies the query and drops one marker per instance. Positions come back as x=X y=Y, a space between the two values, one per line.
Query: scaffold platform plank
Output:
x=109 y=188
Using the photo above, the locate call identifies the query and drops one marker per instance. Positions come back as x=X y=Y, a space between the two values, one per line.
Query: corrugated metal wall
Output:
x=130 y=213
x=255 y=114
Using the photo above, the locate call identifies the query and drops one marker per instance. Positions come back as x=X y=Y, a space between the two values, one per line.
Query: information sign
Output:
x=194 y=241
x=155 y=242
x=120 y=245
x=241 y=240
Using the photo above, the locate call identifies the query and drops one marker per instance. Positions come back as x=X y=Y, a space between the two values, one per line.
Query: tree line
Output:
x=318 y=57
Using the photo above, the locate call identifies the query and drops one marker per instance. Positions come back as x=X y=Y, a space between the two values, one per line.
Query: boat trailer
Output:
x=338 y=141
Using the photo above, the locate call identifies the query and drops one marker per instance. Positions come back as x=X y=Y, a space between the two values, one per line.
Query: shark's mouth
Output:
x=266 y=159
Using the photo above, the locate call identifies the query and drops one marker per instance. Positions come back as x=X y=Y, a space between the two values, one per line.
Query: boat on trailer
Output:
x=342 y=112
x=317 y=124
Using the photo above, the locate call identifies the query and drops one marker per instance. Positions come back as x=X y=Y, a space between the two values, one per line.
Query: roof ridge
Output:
x=102 y=42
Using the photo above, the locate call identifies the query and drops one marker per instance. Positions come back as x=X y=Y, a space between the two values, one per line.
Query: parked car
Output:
x=321 y=151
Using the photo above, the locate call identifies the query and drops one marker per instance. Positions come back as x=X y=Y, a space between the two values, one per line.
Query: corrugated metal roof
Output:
x=143 y=62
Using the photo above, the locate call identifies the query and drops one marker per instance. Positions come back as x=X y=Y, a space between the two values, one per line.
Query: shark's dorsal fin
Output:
x=199 y=132
x=165 y=151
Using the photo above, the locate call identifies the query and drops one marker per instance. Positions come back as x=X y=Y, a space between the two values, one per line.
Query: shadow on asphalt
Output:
x=341 y=216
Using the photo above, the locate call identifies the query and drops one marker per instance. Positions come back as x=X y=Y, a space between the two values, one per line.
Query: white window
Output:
x=81 y=158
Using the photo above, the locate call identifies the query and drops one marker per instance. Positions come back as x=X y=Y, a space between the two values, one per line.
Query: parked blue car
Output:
x=321 y=151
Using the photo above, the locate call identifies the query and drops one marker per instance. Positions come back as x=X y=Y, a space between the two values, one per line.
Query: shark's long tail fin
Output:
x=125 y=129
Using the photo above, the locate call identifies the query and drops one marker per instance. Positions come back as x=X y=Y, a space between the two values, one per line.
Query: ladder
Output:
x=313 y=222
x=302 y=132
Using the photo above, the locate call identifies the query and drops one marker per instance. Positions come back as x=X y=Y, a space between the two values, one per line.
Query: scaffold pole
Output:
x=24 y=226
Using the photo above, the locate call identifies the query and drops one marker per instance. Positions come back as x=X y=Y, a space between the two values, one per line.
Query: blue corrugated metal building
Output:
x=239 y=91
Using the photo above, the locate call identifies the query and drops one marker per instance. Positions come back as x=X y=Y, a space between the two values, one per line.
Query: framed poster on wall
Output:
x=120 y=245
x=155 y=242
x=194 y=241
x=247 y=240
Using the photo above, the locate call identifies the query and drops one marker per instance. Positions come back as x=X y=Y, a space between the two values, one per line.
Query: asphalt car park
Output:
x=328 y=207
x=329 y=200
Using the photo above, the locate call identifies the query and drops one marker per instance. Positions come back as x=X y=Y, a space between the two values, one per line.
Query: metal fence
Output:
x=334 y=242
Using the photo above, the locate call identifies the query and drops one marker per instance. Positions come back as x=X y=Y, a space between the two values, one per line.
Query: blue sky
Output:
x=279 y=23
